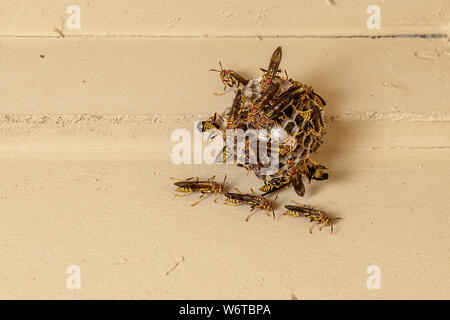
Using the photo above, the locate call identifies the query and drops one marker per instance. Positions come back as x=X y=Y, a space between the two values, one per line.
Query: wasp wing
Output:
x=275 y=61
x=239 y=78
x=299 y=187
x=193 y=184
x=304 y=210
x=244 y=197
x=236 y=106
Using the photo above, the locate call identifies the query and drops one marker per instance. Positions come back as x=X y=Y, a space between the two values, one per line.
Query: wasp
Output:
x=316 y=119
x=314 y=96
x=234 y=112
x=311 y=170
x=284 y=101
x=272 y=70
x=274 y=185
x=229 y=78
x=314 y=215
x=223 y=155
x=252 y=199
x=319 y=100
x=191 y=185
x=209 y=125
x=279 y=183
x=257 y=112
x=316 y=172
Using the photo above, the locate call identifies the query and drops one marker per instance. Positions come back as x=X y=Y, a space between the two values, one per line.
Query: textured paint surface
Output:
x=224 y=18
x=85 y=125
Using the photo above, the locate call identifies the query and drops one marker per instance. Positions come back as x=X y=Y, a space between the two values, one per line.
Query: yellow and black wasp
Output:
x=314 y=118
x=258 y=109
x=252 y=199
x=314 y=215
x=191 y=185
x=275 y=184
x=319 y=100
x=233 y=115
x=284 y=101
x=230 y=79
x=316 y=172
x=311 y=170
x=211 y=125
x=306 y=92
x=272 y=70
x=224 y=155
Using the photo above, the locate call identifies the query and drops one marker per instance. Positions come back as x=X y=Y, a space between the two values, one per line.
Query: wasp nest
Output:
x=291 y=115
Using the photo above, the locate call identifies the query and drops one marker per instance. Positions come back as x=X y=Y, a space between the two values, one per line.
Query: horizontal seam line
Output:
x=11 y=119
x=206 y=36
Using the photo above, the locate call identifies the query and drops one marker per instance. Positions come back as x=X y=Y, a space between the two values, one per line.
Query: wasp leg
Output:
x=268 y=213
x=314 y=163
x=332 y=224
x=249 y=214
x=183 y=194
x=223 y=92
x=228 y=203
x=199 y=199
x=305 y=168
x=297 y=204
x=215 y=197
x=188 y=179
x=309 y=228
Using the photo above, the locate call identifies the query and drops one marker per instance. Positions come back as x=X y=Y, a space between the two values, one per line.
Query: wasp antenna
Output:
x=220 y=64
x=214 y=70
x=215 y=116
x=224 y=179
